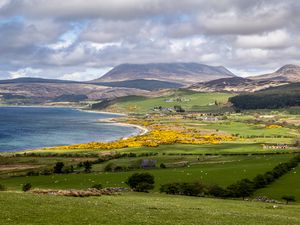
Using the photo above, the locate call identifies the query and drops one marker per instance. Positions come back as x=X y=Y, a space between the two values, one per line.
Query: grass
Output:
x=192 y=101
x=286 y=185
x=215 y=170
x=134 y=208
x=223 y=148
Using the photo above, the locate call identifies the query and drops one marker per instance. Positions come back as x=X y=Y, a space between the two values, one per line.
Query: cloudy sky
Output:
x=82 y=39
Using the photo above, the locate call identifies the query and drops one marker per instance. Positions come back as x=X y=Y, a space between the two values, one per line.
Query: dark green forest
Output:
x=271 y=98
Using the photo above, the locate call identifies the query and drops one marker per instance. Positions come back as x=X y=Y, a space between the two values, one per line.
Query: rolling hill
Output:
x=30 y=80
x=235 y=85
x=184 y=73
x=289 y=73
x=143 y=84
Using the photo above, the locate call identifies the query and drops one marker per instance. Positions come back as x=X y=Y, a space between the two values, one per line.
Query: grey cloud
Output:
x=239 y=34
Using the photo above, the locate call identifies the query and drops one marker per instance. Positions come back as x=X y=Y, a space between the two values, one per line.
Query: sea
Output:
x=26 y=128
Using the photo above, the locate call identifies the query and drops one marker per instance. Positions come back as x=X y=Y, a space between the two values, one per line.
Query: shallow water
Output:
x=35 y=127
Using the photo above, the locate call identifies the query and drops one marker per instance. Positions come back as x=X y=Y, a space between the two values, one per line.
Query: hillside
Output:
x=290 y=73
x=26 y=80
x=143 y=84
x=271 y=98
x=235 y=84
x=37 y=93
x=189 y=100
x=185 y=73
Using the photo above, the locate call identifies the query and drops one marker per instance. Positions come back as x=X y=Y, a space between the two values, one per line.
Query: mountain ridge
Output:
x=184 y=73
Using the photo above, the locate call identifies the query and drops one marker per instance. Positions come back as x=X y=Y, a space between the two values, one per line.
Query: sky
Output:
x=83 y=39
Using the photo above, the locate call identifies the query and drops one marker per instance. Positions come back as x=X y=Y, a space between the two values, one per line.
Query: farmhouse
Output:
x=278 y=146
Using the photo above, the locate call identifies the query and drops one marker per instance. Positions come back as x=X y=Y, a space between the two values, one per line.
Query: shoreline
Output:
x=143 y=130
x=140 y=129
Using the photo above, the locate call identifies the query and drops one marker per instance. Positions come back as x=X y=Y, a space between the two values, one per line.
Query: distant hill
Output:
x=26 y=80
x=290 y=73
x=143 y=84
x=184 y=73
x=235 y=84
x=271 y=98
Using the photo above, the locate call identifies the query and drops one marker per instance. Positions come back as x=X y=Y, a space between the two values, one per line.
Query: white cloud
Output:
x=86 y=75
x=275 y=39
x=68 y=38
x=25 y=72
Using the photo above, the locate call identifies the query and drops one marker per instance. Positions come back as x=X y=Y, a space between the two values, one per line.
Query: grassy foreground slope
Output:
x=139 y=209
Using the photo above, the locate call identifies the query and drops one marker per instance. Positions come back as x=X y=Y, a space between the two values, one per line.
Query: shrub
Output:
x=58 y=167
x=189 y=189
x=192 y=189
x=242 y=188
x=68 y=169
x=162 y=165
x=47 y=172
x=109 y=167
x=87 y=166
x=97 y=186
x=26 y=187
x=144 y=187
x=216 y=191
x=2 y=187
x=32 y=173
x=172 y=188
x=141 y=182
x=259 y=181
x=288 y=198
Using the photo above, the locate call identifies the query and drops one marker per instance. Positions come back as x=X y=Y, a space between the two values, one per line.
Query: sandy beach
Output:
x=143 y=130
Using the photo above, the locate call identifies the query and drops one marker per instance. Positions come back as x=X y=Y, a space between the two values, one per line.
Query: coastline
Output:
x=143 y=130
x=140 y=129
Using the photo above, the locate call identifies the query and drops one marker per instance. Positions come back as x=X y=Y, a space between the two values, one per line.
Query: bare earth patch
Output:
x=17 y=167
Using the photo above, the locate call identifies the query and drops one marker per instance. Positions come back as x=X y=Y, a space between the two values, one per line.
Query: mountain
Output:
x=235 y=84
x=184 y=73
x=143 y=84
x=289 y=73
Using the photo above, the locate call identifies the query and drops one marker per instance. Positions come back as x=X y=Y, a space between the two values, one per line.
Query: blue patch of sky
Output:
x=72 y=34
x=13 y=19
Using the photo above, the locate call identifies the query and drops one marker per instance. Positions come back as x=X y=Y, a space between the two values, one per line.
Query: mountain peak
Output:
x=289 y=68
x=180 y=72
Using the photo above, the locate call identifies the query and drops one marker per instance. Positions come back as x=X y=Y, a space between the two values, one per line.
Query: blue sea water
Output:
x=23 y=128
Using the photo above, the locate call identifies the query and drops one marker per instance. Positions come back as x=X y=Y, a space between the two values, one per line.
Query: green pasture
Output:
x=220 y=170
x=136 y=209
x=288 y=184
x=191 y=101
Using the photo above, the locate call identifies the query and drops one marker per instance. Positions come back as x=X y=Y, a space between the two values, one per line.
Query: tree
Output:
x=288 y=198
x=178 y=108
x=141 y=182
x=2 y=187
x=242 y=188
x=259 y=181
x=162 y=165
x=216 y=190
x=87 y=166
x=58 y=167
x=97 y=186
x=26 y=187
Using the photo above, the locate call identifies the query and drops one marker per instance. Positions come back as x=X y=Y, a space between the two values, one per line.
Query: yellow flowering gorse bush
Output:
x=155 y=138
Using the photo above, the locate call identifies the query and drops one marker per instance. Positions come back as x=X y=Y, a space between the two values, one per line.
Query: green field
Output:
x=191 y=101
x=222 y=170
x=222 y=164
x=286 y=185
x=147 y=209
